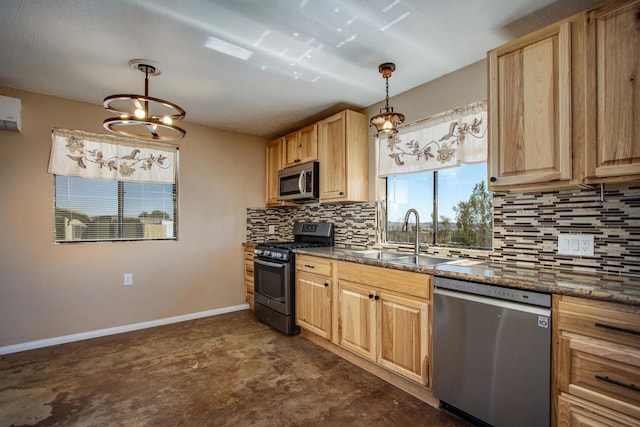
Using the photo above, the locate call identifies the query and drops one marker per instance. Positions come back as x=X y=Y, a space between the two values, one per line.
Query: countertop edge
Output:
x=548 y=281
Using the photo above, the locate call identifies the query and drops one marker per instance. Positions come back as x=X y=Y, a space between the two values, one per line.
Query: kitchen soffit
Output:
x=295 y=60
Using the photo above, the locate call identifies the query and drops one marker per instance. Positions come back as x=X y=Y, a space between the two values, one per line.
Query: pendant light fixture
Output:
x=387 y=121
x=141 y=116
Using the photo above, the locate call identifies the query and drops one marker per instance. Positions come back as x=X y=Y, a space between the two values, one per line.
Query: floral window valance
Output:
x=91 y=155
x=438 y=142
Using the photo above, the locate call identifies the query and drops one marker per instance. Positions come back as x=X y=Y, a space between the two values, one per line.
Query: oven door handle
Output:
x=269 y=264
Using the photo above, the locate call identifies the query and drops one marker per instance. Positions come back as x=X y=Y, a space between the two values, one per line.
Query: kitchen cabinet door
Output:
x=530 y=138
x=274 y=162
x=402 y=335
x=613 y=88
x=343 y=156
x=301 y=146
x=356 y=319
x=313 y=303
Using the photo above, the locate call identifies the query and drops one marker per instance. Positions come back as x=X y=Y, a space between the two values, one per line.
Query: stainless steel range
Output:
x=274 y=274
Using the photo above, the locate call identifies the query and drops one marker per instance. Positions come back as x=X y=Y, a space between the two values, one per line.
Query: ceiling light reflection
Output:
x=227 y=48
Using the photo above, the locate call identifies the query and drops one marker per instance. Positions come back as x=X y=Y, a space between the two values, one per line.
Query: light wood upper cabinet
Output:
x=530 y=139
x=613 y=87
x=274 y=162
x=301 y=146
x=343 y=156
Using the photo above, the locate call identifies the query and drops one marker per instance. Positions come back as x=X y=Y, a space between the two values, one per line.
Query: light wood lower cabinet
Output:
x=356 y=319
x=379 y=314
x=597 y=362
x=390 y=327
x=248 y=275
x=313 y=290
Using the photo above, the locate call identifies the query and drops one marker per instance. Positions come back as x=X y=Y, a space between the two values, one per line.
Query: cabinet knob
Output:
x=376 y=298
x=370 y=296
x=341 y=193
x=493 y=179
x=326 y=285
x=296 y=160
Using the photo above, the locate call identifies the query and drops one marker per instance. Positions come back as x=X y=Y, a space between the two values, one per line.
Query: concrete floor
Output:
x=227 y=370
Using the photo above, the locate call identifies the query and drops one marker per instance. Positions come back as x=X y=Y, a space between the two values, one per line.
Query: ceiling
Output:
x=306 y=58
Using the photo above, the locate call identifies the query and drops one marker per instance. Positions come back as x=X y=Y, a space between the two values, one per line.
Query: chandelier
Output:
x=387 y=121
x=141 y=116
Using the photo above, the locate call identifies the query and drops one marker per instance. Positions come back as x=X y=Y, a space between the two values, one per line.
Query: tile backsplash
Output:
x=526 y=228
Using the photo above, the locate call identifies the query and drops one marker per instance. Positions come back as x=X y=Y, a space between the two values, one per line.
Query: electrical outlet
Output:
x=575 y=244
x=272 y=229
x=128 y=279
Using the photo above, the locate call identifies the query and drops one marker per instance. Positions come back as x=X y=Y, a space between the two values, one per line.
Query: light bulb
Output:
x=167 y=120
x=140 y=113
x=387 y=124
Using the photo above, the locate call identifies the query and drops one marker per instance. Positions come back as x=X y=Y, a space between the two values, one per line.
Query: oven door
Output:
x=272 y=285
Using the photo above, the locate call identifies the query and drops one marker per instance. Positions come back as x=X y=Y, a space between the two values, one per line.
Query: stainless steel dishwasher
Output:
x=492 y=353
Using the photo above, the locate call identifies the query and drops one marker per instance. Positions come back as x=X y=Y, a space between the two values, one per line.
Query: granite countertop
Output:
x=613 y=288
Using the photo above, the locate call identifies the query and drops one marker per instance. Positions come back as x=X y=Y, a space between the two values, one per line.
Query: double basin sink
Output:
x=400 y=258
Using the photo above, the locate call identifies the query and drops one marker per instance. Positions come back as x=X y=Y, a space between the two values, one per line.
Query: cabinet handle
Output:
x=616 y=382
x=326 y=285
x=296 y=160
x=370 y=296
x=310 y=266
x=617 y=328
x=493 y=179
x=376 y=298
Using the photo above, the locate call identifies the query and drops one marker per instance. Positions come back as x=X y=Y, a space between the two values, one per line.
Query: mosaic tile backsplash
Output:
x=526 y=228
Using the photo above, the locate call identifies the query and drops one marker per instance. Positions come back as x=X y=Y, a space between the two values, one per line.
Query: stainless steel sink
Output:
x=376 y=254
x=422 y=260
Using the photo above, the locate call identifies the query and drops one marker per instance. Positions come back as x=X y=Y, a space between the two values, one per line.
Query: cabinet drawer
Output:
x=248 y=270
x=577 y=412
x=249 y=287
x=315 y=265
x=619 y=323
x=601 y=372
x=405 y=282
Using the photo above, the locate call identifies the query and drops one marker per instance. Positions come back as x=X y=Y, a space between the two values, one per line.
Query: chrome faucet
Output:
x=405 y=226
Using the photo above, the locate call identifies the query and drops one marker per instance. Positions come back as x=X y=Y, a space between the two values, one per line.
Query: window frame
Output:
x=120 y=214
x=434 y=213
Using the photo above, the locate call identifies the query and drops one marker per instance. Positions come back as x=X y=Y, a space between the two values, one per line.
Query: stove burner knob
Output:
x=258 y=251
x=278 y=255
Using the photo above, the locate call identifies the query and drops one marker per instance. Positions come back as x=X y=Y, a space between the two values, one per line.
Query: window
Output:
x=97 y=210
x=110 y=188
x=457 y=197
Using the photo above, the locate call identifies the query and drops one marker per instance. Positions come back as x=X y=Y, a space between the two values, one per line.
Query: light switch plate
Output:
x=272 y=229
x=575 y=244
x=128 y=279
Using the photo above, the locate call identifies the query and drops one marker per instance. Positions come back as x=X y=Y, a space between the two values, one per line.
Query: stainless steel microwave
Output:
x=299 y=183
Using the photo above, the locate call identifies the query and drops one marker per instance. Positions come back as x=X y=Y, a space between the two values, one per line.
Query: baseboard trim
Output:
x=117 y=330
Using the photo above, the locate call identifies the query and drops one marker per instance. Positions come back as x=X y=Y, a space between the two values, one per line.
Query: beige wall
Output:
x=461 y=87
x=49 y=290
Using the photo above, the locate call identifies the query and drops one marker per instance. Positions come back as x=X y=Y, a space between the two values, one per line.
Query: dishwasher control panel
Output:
x=517 y=295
